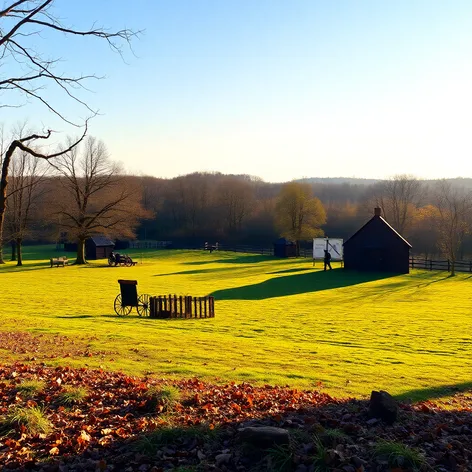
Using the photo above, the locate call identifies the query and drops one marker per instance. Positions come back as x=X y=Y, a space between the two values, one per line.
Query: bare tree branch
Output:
x=21 y=19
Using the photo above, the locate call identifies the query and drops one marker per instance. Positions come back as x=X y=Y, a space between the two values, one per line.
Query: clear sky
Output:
x=279 y=89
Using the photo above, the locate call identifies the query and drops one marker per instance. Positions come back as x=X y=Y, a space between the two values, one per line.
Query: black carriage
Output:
x=116 y=259
x=128 y=298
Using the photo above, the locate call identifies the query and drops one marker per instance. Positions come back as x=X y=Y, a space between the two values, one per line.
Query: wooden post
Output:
x=205 y=306
x=431 y=264
x=151 y=307
x=195 y=306
x=180 y=306
x=211 y=307
x=448 y=266
x=176 y=311
x=412 y=262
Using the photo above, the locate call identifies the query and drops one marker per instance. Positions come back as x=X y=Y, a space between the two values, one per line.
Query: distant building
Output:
x=285 y=248
x=377 y=247
x=98 y=247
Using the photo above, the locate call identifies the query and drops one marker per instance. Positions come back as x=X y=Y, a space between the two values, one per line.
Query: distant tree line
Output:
x=82 y=192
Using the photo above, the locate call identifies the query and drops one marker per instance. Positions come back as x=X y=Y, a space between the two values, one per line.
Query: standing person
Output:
x=327 y=260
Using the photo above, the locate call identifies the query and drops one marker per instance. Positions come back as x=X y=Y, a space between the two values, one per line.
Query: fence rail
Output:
x=430 y=264
x=268 y=251
x=149 y=244
x=173 y=306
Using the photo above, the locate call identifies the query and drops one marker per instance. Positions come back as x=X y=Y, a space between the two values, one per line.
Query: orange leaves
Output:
x=83 y=439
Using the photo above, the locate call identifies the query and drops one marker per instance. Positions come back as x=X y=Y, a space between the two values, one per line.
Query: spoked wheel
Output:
x=128 y=262
x=120 y=309
x=110 y=261
x=143 y=305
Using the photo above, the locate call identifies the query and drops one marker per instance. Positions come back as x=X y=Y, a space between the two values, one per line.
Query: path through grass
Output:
x=277 y=321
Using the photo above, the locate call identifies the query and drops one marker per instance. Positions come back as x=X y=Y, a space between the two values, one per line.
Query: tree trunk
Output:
x=13 y=251
x=19 y=254
x=2 y=219
x=81 y=252
x=3 y=193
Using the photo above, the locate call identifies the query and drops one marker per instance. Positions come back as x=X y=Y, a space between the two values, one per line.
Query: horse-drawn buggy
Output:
x=116 y=259
x=129 y=298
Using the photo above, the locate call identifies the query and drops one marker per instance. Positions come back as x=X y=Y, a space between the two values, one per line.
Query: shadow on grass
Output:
x=301 y=283
x=434 y=393
x=243 y=259
x=197 y=271
x=289 y=271
x=26 y=267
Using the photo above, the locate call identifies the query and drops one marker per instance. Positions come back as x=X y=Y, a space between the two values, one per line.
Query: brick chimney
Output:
x=377 y=211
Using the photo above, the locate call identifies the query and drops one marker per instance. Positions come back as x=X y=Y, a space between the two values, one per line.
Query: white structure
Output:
x=333 y=245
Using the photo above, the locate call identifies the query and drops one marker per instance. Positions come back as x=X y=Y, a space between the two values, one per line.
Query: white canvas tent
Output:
x=333 y=245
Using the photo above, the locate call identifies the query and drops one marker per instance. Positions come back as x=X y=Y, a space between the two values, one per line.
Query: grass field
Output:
x=277 y=321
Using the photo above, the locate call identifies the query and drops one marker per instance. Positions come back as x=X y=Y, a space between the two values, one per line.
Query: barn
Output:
x=377 y=247
x=285 y=248
x=98 y=247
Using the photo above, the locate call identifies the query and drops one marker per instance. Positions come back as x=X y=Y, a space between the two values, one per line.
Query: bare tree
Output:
x=95 y=197
x=25 y=145
x=29 y=73
x=398 y=198
x=27 y=173
x=235 y=199
x=454 y=219
x=424 y=233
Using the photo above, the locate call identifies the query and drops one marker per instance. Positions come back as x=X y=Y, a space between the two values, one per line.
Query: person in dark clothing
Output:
x=327 y=260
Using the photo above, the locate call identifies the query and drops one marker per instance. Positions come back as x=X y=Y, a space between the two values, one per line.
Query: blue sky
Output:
x=276 y=89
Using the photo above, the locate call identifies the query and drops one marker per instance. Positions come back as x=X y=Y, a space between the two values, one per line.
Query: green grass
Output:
x=150 y=443
x=31 y=418
x=72 y=395
x=278 y=321
x=167 y=396
x=399 y=455
x=31 y=387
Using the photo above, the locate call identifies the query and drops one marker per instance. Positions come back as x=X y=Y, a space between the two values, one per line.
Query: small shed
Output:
x=285 y=248
x=98 y=247
x=377 y=247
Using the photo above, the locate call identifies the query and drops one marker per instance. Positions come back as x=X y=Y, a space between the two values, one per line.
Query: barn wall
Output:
x=90 y=250
x=377 y=248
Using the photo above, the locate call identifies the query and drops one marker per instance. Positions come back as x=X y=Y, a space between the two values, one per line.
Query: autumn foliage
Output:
x=122 y=425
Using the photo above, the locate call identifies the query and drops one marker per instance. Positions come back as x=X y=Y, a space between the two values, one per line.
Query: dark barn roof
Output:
x=101 y=241
x=377 y=247
x=385 y=222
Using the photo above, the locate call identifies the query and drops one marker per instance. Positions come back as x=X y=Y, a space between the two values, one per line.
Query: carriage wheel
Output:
x=128 y=262
x=110 y=261
x=143 y=305
x=120 y=309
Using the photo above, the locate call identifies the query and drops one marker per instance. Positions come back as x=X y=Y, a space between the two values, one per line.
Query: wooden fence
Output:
x=149 y=244
x=173 y=306
x=430 y=264
x=267 y=251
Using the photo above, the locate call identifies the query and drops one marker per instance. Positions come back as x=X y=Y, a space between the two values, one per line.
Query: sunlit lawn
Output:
x=277 y=321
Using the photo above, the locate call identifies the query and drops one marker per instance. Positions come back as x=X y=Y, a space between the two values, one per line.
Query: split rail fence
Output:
x=173 y=306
